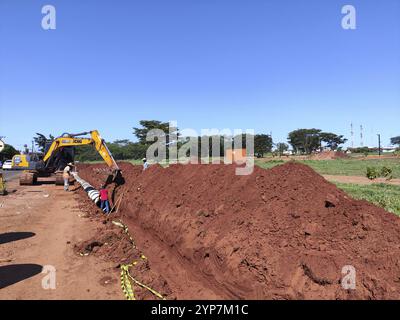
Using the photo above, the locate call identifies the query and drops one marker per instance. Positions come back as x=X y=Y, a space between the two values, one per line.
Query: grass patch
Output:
x=382 y=195
x=135 y=162
x=344 y=167
x=268 y=164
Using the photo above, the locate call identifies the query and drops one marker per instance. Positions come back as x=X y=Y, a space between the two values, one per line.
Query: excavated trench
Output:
x=283 y=233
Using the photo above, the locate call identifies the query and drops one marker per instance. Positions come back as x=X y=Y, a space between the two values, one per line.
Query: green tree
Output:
x=136 y=151
x=120 y=149
x=395 y=140
x=86 y=153
x=125 y=150
x=8 y=152
x=281 y=147
x=171 y=134
x=305 y=140
x=147 y=125
x=333 y=141
x=262 y=144
x=122 y=142
x=364 y=150
x=41 y=140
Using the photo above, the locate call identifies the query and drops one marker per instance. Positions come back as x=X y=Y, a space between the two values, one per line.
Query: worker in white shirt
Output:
x=66 y=175
x=145 y=164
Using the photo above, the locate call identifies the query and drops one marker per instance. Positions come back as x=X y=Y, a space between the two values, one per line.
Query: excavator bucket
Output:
x=115 y=177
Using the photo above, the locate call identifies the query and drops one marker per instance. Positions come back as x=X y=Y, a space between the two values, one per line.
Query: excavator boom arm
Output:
x=74 y=140
x=102 y=149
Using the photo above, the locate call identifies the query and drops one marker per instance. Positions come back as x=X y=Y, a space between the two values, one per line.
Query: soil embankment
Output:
x=283 y=233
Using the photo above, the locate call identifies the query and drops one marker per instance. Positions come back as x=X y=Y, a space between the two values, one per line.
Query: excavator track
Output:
x=59 y=179
x=28 y=179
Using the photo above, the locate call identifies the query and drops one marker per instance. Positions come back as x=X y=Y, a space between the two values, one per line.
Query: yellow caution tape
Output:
x=119 y=224
x=157 y=294
x=126 y=230
x=126 y=284
x=125 y=275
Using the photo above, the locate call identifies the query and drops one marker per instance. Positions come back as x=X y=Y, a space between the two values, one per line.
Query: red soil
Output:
x=283 y=233
x=329 y=155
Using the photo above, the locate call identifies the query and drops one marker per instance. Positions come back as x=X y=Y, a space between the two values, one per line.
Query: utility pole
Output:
x=361 y=136
x=352 y=135
x=379 y=144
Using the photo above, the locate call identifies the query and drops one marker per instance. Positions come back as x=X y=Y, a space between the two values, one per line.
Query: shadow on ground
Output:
x=14 y=236
x=14 y=273
x=44 y=182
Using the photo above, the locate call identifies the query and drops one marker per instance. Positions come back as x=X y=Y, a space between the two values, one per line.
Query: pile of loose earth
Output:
x=283 y=233
x=329 y=155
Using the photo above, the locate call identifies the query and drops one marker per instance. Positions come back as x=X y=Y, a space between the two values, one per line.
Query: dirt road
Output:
x=37 y=234
x=9 y=175
x=360 y=180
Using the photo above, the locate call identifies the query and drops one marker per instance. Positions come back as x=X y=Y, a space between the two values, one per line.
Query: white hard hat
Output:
x=144 y=159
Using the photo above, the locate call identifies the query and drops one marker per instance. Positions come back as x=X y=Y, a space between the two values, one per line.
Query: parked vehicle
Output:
x=25 y=161
x=7 y=165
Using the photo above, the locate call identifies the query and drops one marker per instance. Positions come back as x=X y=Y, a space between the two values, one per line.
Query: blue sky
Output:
x=272 y=66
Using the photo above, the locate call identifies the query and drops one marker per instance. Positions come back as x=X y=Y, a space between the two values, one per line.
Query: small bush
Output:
x=387 y=173
x=372 y=173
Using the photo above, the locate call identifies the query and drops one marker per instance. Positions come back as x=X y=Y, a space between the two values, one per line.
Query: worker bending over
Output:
x=67 y=174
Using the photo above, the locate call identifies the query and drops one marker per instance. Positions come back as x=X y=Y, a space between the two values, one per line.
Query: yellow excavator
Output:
x=60 y=152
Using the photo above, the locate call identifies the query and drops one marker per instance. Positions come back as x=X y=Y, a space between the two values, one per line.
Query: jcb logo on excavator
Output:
x=77 y=140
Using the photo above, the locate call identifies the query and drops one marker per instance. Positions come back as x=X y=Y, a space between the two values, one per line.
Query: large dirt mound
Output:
x=284 y=233
x=329 y=155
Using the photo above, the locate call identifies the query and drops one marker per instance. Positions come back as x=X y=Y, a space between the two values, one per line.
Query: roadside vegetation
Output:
x=353 y=167
x=343 y=167
x=382 y=195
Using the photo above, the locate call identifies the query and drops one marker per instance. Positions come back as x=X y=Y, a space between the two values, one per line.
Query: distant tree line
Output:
x=302 y=141
x=307 y=141
x=363 y=150
x=120 y=149
x=126 y=149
